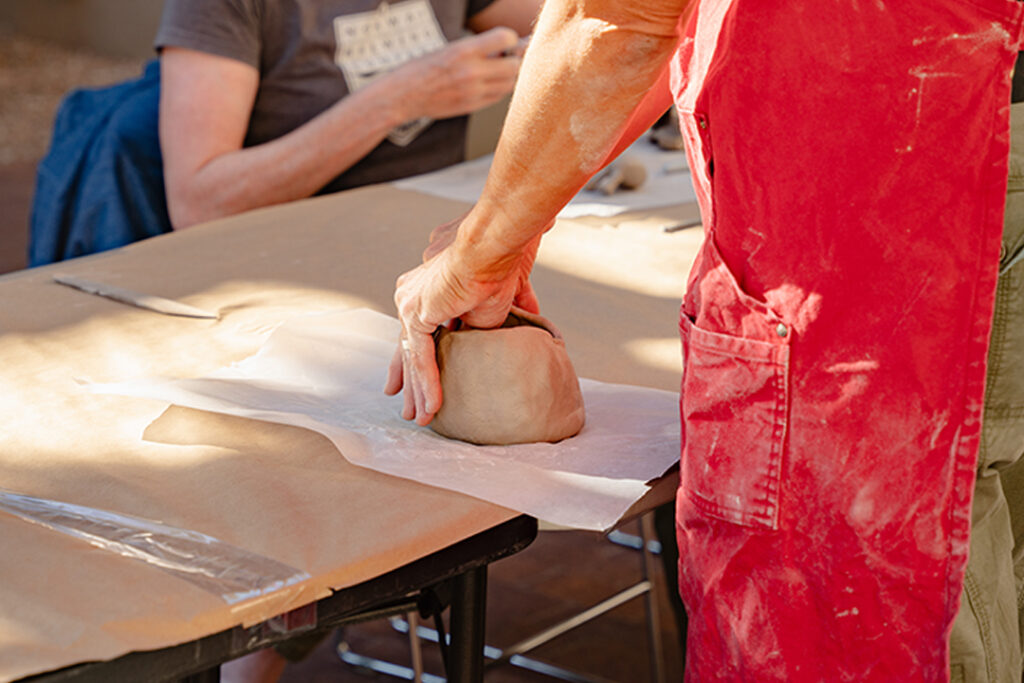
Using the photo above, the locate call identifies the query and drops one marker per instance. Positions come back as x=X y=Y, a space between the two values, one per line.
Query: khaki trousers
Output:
x=986 y=643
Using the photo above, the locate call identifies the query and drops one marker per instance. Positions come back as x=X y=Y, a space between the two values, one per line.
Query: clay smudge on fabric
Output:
x=866 y=365
x=862 y=509
x=969 y=43
x=586 y=129
x=941 y=423
x=996 y=33
x=798 y=307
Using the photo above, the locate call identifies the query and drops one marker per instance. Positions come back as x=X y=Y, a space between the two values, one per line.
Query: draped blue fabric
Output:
x=101 y=184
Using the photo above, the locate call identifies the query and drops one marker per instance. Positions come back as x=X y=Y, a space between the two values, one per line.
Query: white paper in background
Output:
x=668 y=183
x=325 y=372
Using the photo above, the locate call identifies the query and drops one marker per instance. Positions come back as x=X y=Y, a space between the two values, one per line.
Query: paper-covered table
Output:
x=277 y=492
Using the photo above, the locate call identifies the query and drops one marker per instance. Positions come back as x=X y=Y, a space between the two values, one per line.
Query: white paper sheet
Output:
x=668 y=183
x=326 y=372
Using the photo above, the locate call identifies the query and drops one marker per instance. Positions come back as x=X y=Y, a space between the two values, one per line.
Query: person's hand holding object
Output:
x=456 y=281
x=462 y=77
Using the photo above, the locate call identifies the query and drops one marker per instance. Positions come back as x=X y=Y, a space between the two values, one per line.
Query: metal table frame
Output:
x=462 y=566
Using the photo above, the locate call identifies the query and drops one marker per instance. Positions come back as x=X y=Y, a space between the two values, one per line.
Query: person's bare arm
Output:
x=205 y=104
x=654 y=104
x=206 y=101
x=590 y=66
x=587 y=75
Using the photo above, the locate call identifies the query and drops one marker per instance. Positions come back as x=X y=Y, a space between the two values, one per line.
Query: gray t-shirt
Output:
x=311 y=53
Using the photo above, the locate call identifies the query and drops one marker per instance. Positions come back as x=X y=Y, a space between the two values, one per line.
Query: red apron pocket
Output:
x=734 y=407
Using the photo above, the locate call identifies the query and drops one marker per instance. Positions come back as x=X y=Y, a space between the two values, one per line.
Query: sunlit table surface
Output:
x=612 y=286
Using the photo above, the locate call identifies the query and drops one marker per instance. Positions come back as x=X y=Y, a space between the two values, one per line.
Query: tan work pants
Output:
x=986 y=644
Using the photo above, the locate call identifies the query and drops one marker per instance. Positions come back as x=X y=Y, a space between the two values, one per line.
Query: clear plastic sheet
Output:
x=214 y=566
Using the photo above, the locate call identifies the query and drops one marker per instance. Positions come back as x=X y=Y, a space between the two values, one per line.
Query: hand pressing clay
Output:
x=511 y=384
x=623 y=173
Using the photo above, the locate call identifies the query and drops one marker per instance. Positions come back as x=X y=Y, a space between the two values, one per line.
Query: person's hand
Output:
x=464 y=76
x=443 y=288
x=442 y=237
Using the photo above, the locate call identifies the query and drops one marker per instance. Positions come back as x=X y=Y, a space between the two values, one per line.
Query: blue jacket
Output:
x=101 y=184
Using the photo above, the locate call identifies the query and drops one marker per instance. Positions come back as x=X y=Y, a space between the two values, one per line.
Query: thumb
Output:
x=526 y=299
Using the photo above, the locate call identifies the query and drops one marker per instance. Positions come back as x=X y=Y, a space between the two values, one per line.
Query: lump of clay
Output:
x=626 y=173
x=511 y=384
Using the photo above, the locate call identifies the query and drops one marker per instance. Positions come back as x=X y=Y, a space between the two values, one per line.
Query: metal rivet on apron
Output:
x=703 y=124
x=781 y=330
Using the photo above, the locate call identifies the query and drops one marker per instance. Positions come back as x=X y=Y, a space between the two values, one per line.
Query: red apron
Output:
x=851 y=161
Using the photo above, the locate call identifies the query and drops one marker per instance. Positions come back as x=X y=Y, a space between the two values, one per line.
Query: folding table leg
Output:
x=468 y=611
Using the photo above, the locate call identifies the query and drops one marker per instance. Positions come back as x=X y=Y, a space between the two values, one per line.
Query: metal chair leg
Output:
x=583 y=617
x=651 y=600
x=415 y=651
x=467 y=659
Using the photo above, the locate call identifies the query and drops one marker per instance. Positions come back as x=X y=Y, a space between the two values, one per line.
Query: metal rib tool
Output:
x=126 y=296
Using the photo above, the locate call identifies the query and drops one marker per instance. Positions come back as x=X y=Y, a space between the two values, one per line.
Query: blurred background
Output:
x=48 y=47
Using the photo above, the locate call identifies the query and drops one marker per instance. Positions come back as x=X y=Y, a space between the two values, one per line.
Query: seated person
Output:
x=267 y=101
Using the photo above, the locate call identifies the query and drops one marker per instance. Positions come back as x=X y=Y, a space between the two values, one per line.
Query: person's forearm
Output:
x=588 y=68
x=293 y=166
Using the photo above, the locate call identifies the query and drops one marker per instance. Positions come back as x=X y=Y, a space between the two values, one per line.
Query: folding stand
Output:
x=514 y=655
